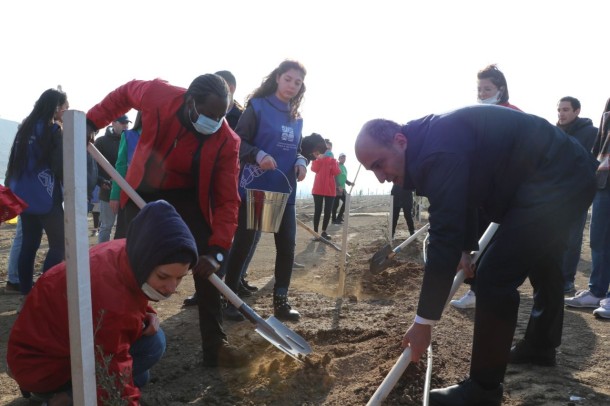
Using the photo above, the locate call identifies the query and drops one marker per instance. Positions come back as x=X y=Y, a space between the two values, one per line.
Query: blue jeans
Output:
x=13 y=258
x=32 y=225
x=244 y=245
x=571 y=256
x=146 y=352
x=107 y=219
x=600 y=244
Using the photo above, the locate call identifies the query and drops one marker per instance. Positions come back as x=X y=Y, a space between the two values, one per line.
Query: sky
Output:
x=399 y=60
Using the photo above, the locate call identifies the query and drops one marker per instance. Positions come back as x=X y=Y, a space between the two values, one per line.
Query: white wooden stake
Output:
x=82 y=352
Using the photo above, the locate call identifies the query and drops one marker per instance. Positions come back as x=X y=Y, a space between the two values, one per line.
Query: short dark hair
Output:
x=572 y=100
x=496 y=76
x=381 y=130
x=228 y=76
x=205 y=85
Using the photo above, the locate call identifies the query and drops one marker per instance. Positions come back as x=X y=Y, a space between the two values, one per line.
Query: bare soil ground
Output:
x=355 y=338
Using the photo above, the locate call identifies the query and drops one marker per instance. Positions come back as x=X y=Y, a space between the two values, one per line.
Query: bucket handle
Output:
x=255 y=171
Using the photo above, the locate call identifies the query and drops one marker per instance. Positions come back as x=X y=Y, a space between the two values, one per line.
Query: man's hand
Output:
x=206 y=266
x=268 y=163
x=418 y=338
x=467 y=265
x=151 y=324
x=114 y=205
x=300 y=171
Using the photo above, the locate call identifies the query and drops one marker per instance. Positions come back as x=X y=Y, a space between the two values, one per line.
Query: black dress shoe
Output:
x=243 y=292
x=231 y=313
x=246 y=285
x=190 y=301
x=225 y=355
x=466 y=393
x=524 y=353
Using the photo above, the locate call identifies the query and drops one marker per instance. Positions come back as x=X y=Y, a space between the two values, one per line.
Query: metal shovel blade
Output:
x=297 y=346
x=380 y=260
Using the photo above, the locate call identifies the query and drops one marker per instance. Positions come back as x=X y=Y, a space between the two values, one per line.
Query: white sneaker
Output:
x=603 y=310
x=584 y=298
x=468 y=301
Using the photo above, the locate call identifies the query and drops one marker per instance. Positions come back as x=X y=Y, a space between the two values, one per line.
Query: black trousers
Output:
x=529 y=243
x=403 y=200
x=186 y=204
x=340 y=198
x=319 y=201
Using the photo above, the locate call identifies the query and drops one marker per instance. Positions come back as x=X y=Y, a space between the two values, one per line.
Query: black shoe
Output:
x=231 y=313
x=325 y=236
x=524 y=353
x=191 y=300
x=243 y=292
x=246 y=285
x=466 y=393
x=12 y=288
x=282 y=310
x=225 y=355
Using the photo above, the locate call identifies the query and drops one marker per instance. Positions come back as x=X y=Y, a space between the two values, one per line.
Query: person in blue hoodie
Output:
x=525 y=174
x=270 y=130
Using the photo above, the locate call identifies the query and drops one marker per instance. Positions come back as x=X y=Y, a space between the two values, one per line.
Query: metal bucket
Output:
x=265 y=209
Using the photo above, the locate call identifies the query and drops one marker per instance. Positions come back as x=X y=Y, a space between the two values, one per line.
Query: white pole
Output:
x=343 y=256
x=82 y=354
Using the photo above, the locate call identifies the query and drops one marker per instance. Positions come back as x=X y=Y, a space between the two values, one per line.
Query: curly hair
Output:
x=269 y=85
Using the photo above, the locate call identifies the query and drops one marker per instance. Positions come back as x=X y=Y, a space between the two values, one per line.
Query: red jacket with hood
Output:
x=39 y=344
x=326 y=168
x=216 y=183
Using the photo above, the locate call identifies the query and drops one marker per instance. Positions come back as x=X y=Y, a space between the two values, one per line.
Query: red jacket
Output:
x=326 y=168
x=39 y=344
x=159 y=104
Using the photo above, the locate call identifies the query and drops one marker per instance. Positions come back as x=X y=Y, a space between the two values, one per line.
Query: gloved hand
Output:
x=206 y=266
x=91 y=131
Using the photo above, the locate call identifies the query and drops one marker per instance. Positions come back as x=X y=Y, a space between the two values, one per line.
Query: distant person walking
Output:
x=340 y=182
x=108 y=145
x=402 y=199
x=324 y=188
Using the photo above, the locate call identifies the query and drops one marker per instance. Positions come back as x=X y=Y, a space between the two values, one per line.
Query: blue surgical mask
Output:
x=152 y=293
x=204 y=124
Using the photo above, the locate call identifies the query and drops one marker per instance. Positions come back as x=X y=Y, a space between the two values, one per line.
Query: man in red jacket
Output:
x=187 y=155
x=125 y=275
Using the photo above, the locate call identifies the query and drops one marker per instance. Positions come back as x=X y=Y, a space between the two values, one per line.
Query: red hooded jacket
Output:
x=159 y=104
x=38 y=352
x=326 y=168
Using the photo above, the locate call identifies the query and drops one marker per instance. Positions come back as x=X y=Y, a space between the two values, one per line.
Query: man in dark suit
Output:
x=525 y=174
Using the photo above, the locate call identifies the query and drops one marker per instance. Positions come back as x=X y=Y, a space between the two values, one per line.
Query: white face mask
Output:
x=152 y=293
x=491 y=100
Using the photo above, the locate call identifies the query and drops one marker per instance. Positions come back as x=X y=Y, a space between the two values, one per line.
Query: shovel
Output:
x=404 y=360
x=271 y=330
x=382 y=258
x=318 y=236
